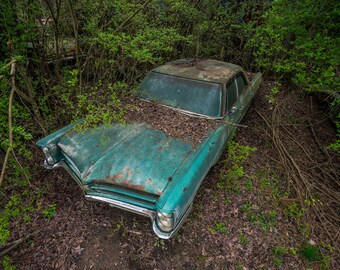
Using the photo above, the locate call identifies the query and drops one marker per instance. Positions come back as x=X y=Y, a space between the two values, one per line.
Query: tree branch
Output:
x=10 y=126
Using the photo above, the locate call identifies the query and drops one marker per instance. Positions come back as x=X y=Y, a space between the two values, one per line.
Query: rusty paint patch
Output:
x=159 y=148
x=124 y=183
x=127 y=183
x=114 y=177
x=88 y=172
x=124 y=168
x=159 y=192
x=149 y=180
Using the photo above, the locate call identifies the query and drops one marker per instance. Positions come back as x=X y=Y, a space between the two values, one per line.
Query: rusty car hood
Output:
x=132 y=156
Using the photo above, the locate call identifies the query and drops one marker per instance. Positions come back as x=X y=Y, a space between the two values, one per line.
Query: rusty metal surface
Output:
x=141 y=169
x=205 y=70
x=133 y=156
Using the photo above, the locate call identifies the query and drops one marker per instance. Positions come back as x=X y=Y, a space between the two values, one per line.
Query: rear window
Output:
x=191 y=95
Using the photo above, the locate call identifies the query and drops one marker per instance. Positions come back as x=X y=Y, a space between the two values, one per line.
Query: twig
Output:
x=22 y=168
x=131 y=17
x=14 y=244
x=10 y=127
x=322 y=149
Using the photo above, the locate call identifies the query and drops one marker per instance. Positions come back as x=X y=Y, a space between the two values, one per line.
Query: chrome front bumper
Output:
x=144 y=212
x=124 y=206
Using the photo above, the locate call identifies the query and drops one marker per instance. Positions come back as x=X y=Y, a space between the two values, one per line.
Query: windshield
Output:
x=191 y=95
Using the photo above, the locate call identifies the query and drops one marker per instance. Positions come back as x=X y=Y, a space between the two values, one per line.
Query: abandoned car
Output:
x=148 y=171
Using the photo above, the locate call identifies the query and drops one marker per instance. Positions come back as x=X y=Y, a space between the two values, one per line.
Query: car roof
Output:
x=200 y=69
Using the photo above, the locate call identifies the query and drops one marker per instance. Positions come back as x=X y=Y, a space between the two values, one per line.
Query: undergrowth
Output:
x=232 y=167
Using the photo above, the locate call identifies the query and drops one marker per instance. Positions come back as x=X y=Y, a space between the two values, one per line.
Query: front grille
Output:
x=126 y=194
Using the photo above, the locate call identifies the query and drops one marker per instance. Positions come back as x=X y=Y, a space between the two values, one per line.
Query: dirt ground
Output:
x=227 y=229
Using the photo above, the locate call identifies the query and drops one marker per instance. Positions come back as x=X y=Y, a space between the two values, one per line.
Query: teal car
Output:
x=144 y=170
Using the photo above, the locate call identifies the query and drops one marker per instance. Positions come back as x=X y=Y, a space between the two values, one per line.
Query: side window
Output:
x=231 y=95
x=240 y=84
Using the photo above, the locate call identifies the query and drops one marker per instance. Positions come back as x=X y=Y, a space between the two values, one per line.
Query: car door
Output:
x=245 y=94
x=234 y=105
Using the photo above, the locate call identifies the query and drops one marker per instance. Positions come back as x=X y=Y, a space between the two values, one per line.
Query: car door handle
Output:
x=233 y=110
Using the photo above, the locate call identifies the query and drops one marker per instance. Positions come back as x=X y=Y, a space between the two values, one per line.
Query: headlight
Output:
x=165 y=221
x=48 y=156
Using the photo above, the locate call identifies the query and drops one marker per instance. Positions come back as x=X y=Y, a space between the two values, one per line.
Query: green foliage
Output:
x=294 y=210
x=233 y=166
x=277 y=261
x=94 y=105
x=18 y=207
x=243 y=239
x=7 y=264
x=269 y=185
x=336 y=145
x=299 y=42
x=19 y=114
x=280 y=251
x=249 y=185
x=159 y=243
x=246 y=207
x=310 y=252
x=50 y=211
x=219 y=228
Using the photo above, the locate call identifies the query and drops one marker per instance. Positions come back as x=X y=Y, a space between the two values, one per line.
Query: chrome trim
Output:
x=124 y=206
x=63 y=164
x=168 y=235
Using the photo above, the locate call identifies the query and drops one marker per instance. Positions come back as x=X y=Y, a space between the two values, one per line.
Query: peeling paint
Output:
x=127 y=183
x=69 y=149
x=114 y=177
x=88 y=172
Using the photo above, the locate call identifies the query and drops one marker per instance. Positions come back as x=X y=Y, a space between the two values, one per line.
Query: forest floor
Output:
x=246 y=226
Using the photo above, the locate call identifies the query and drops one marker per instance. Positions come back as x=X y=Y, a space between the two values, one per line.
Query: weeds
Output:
x=239 y=265
x=278 y=262
x=159 y=243
x=249 y=185
x=310 y=252
x=233 y=168
x=246 y=207
x=280 y=251
x=243 y=239
x=7 y=265
x=119 y=226
x=219 y=228
x=19 y=208
x=50 y=211
x=294 y=210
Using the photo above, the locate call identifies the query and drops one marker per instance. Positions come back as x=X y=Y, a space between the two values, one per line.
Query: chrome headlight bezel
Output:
x=48 y=156
x=165 y=221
